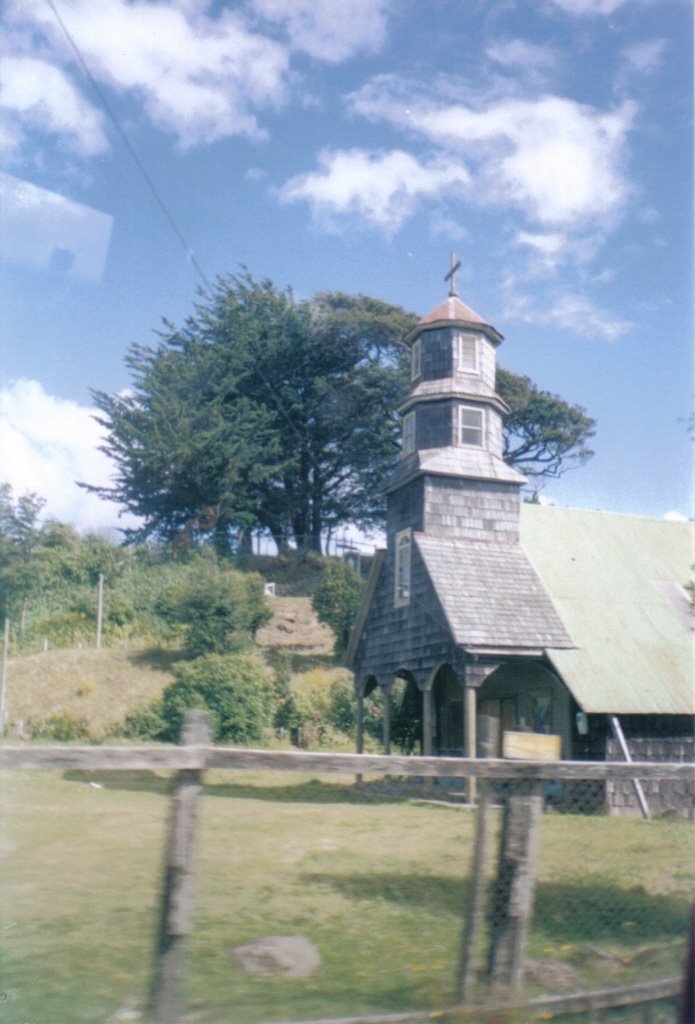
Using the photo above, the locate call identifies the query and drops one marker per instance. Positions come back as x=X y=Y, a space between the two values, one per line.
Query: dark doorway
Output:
x=447 y=703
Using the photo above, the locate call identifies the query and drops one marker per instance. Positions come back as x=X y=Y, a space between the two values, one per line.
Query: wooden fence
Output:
x=516 y=871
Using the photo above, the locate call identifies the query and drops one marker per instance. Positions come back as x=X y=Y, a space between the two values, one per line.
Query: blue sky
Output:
x=351 y=145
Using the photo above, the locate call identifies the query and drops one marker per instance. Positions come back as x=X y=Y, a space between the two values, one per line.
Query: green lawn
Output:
x=378 y=886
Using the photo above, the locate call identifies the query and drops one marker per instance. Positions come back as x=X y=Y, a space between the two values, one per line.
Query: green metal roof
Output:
x=616 y=581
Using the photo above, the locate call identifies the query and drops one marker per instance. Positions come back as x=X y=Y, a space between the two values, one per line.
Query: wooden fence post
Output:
x=166 y=1001
x=474 y=915
x=512 y=901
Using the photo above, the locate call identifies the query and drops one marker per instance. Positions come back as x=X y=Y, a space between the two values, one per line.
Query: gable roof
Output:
x=616 y=581
x=491 y=595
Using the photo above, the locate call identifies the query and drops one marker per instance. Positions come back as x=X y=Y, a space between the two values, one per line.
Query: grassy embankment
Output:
x=98 y=688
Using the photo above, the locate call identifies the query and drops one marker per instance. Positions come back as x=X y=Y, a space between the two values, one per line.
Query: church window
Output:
x=471 y=425
x=409 y=433
x=402 y=575
x=416 y=359
x=467 y=352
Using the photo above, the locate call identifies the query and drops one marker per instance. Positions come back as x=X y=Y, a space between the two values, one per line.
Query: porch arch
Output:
x=525 y=696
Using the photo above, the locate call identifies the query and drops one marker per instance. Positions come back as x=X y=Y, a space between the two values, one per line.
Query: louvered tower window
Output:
x=416 y=359
x=467 y=352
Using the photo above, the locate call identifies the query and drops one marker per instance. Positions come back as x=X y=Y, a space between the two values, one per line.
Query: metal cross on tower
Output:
x=451 y=276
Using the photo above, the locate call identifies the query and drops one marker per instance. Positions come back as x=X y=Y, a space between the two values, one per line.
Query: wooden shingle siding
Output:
x=413 y=637
x=406 y=508
x=478 y=509
x=491 y=594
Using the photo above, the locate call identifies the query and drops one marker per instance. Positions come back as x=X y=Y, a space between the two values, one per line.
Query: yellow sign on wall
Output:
x=531 y=746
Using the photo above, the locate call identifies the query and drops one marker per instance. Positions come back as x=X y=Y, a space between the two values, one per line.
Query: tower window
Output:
x=471 y=424
x=467 y=352
x=409 y=433
x=416 y=359
x=402 y=572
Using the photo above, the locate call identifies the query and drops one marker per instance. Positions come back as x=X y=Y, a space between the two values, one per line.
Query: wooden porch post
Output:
x=471 y=735
x=359 y=725
x=427 y=723
x=386 y=693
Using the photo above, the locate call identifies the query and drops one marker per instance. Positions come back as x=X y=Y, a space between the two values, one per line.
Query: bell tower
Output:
x=453 y=597
x=451 y=478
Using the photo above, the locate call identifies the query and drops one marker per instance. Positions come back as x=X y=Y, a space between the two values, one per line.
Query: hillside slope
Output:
x=101 y=687
x=97 y=686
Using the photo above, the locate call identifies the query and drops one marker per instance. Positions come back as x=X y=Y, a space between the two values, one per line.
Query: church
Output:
x=502 y=616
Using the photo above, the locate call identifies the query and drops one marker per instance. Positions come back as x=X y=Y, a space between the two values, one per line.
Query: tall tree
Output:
x=260 y=412
x=20 y=534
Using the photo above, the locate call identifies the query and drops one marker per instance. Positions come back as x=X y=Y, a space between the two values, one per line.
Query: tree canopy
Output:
x=264 y=412
x=543 y=434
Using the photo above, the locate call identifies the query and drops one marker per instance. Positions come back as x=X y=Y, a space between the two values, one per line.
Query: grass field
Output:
x=377 y=885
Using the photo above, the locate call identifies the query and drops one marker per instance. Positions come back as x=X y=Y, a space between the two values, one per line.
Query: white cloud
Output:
x=649 y=215
x=47 y=444
x=521 y=54
x=549 y=245
x=570 y=312
x=559 y=161
x=583 y=7
x=606 y=276
x=199 y=77
x=35 y=94
x=384 y=189
x=550 y=250
x=645 y=56
x=329 y=31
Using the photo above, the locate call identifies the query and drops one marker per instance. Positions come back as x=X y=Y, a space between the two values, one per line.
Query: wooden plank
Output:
x=361 y=617
x=540 y=1007
x=176 y=907
x=474 y=914
x=622 y=743
x=531 y=746
x=512 y=898
x=162 y=757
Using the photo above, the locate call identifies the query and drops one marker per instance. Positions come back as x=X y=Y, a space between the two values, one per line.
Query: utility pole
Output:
x=100 y=609
x=3 y=674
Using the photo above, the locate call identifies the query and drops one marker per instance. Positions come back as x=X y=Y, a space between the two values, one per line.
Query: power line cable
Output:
x=190 y=255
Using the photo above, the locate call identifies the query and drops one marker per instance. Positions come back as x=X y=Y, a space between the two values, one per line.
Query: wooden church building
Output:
x=505 y=615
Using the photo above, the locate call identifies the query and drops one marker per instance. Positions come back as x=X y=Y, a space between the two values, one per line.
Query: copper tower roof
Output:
x=453 y=309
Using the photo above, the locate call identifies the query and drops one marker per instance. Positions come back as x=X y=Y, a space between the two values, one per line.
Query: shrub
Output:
x=219 y=609
x=343 y=706
x=323 y=704
x=63 y=728
x=235 y=688
x=145 y=722
x=336 y=600
x=65 y=629
x=285 y=710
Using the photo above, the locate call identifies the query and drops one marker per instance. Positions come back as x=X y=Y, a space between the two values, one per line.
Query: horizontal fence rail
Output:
x=198 y=758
